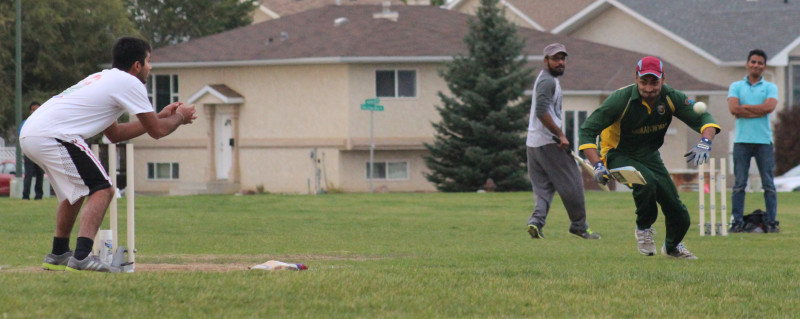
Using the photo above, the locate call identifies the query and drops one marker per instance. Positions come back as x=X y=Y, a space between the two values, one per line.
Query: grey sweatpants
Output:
x=553 y=170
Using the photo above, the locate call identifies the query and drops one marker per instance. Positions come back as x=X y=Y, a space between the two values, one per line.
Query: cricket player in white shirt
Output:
x=54 y=138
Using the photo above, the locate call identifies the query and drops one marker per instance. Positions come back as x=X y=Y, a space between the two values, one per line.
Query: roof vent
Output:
x=340 y=21
x=284 y=36
x=386 y=13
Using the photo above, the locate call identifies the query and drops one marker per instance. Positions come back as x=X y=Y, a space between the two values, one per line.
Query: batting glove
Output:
x=601 y=173
x=699 y=154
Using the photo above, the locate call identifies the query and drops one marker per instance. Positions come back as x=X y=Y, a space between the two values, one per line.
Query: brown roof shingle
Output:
x=420 y=31
x=288 y=7
x=548 y=13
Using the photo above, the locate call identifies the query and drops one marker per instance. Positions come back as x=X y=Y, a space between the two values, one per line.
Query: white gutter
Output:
x=320 y=60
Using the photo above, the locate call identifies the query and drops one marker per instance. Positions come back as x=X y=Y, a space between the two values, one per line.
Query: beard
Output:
x=142 y=76
x=557 y=71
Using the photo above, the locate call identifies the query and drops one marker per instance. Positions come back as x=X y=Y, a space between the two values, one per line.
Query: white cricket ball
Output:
x=700 y=107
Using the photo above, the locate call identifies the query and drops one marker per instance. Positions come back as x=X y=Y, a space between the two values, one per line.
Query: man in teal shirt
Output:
x=751 y=100
x=632 y=123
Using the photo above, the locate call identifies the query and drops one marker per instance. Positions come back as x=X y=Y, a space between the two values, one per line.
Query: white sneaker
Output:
x=90 y=263
x=645 y=242
x=679 y=252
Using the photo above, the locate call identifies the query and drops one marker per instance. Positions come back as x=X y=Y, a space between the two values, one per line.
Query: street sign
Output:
x=371 y=107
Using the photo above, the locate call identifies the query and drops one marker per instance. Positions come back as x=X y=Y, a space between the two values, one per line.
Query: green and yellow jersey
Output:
x=627 y=124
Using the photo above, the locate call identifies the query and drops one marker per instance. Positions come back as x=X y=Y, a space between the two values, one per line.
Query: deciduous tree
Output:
x=165 y=22
x=62 y=42
x=786 y=135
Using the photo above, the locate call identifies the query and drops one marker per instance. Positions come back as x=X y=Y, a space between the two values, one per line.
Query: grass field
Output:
x=402 y=256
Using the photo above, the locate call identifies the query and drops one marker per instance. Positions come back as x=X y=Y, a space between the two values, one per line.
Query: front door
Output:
x=223 y=144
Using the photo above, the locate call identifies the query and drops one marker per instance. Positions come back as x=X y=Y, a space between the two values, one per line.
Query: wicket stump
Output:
x=126 y=265
x=715 y=184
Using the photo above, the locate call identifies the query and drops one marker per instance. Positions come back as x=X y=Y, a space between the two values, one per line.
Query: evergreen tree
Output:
x=481 y=134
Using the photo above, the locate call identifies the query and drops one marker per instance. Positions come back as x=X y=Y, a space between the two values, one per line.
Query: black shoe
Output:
x=535 y=231
x=736 y=228
x=773 y=228
x=586 y=234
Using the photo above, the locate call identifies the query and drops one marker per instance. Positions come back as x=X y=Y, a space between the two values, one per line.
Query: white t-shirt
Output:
x=546 y=99
x=89 y=107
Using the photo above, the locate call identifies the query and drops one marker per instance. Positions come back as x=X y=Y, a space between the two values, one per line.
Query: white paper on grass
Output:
x=276 y=265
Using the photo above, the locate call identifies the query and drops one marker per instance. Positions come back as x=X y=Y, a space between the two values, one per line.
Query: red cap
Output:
x=650 y=65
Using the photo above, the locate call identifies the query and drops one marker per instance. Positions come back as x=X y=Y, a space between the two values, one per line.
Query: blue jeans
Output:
x=765 y=160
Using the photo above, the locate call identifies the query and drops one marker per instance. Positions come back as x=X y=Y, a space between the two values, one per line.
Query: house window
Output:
x=572 y=125
x=396 y=83
x=162 y=89
x=389 y=170
x=794 y=83
x=163 y=171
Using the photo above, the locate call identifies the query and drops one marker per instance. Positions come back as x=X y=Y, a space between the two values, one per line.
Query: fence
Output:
x=8 y=153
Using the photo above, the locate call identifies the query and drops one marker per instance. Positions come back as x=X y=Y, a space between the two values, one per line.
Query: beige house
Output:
x=708 y=39
x=279 y=102
x=540 y=15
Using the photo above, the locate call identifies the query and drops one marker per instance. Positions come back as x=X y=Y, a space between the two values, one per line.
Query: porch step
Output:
x=217 y=187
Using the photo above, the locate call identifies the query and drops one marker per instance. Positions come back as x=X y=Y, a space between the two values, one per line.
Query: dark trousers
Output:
x=553 y=170
x=32 y=170
x=765 y=160
x=660 y=190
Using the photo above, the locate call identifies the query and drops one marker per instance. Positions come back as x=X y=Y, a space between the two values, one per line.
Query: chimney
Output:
x=386 y=13
x=340 y=21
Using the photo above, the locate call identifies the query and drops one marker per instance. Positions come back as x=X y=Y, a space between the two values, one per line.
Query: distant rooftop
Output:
x=420 y=34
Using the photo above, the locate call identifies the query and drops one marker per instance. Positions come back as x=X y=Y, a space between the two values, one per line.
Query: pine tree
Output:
x=481 y=132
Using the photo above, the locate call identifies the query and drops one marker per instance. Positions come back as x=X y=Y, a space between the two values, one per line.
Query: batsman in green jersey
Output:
x=632 y=123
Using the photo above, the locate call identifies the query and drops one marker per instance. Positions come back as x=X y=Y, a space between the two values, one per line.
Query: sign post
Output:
x=371 y=105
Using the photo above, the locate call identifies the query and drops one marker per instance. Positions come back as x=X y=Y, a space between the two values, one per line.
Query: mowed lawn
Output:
x=399 y=256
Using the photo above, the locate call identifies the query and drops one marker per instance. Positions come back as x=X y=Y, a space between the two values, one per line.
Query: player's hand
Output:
x=699 y=154
x=188 y=113
x=563 y=142
x=169 y=110
x=601 y=174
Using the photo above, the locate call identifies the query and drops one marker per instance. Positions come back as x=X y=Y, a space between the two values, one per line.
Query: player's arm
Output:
x=592 y=155
x=609 y=111
x=751 y=110
x=759 y=110
x=702 y=123
x=551 y=126
x=155 y=125
x=544 y=97
x=709 y=132
x=734 y=105
x=684 y=112
x=604 y=116
x=769 y=104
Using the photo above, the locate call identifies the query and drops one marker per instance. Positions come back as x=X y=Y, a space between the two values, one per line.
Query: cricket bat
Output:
x=627 y=175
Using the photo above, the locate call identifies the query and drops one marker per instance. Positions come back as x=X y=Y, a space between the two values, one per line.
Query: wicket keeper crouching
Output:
x=632 y=123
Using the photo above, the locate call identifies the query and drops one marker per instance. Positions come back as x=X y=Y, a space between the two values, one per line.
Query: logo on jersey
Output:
x=80 y=84
x=661 y=109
